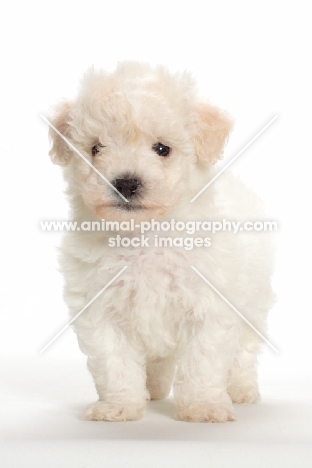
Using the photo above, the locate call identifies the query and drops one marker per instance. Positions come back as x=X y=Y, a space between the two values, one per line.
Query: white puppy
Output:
x=159 y=322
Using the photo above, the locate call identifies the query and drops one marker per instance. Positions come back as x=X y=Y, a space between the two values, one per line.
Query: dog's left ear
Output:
x=212 y=127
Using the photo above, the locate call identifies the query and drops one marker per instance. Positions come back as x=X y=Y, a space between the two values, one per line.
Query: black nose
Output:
x=127 y=186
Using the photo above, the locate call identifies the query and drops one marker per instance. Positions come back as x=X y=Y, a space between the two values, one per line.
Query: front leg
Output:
x=119 y=375
x=200 y=388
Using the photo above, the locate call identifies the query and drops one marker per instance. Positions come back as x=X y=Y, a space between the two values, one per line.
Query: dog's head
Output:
x=142 y=137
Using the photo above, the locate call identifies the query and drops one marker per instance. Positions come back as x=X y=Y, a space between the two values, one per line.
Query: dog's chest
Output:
x=156 y=308
x=159 y=275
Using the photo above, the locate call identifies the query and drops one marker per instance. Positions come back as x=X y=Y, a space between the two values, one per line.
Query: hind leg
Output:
x=160 y=374
x=243 y=378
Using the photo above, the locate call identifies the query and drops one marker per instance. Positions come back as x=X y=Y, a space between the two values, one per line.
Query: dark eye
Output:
x=160 y=149
x=96 y=149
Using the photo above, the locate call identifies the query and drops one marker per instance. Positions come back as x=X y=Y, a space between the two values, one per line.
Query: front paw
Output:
x=206 y=412
x=106 y=411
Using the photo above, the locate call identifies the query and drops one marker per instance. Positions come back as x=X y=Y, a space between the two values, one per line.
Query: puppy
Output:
x=159 y=323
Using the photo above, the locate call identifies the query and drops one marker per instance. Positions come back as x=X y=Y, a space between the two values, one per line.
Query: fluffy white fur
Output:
x=159 y=324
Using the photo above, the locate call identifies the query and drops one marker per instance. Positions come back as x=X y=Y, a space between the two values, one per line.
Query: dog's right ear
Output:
x=60 y=152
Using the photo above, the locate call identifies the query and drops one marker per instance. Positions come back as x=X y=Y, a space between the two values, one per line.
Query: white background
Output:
x=251 y=58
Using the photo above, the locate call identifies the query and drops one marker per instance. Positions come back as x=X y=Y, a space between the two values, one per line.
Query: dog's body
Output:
x=159 y=321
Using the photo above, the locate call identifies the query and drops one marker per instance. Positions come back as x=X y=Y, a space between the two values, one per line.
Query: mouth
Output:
x=128 y=207
x=124 y=209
